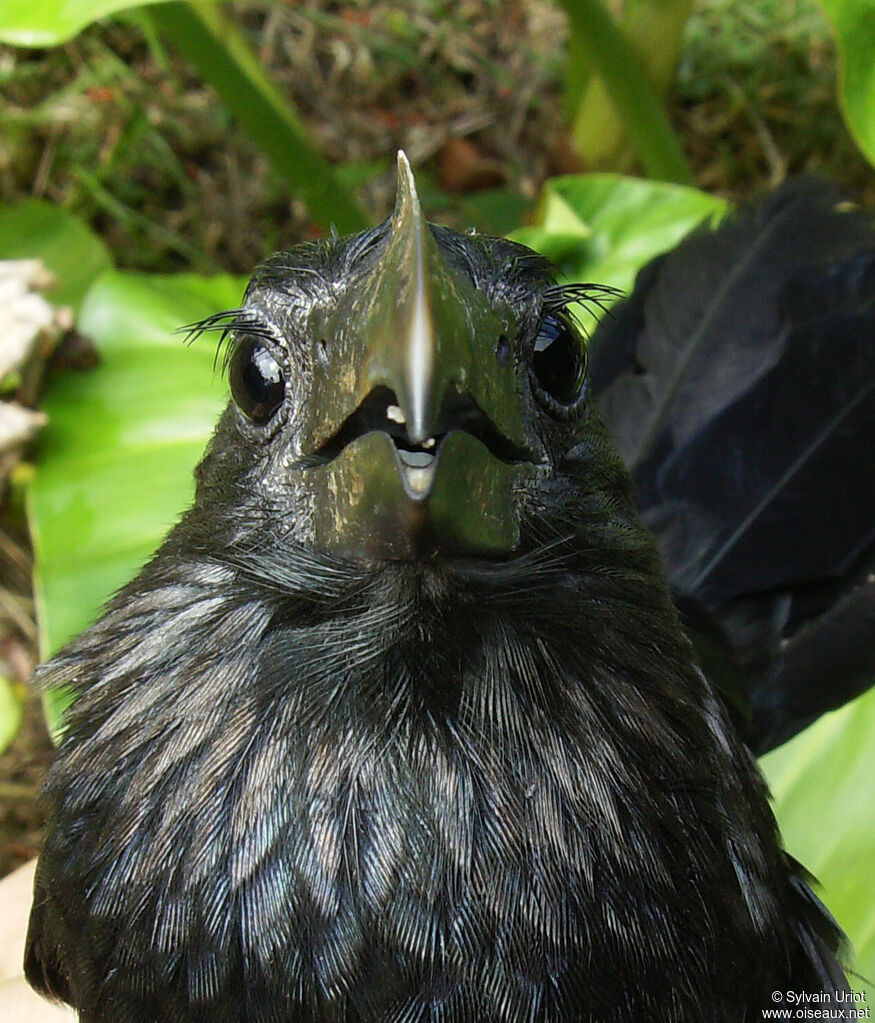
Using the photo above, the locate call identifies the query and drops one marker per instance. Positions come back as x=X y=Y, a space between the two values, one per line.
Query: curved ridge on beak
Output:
x=415 y=328
x=410 y=252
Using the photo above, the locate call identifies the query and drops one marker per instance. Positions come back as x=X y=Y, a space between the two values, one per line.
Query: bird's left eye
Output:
x=558 y=361
x=256 y=381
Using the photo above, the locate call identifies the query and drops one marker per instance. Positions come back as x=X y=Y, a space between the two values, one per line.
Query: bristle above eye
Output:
x=596 y=299
x=226 y=323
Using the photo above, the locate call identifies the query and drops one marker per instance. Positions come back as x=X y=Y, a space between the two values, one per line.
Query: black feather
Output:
x=739 y=384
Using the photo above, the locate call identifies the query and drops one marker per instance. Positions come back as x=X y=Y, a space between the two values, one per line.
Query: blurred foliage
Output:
x=615 y=114
x=75 y=255
x=621 y=68
x=823 y=788
x=603 y=227
x=853 y=22
x=11 y=710
x=617 y=69
x=51 y=22
x=219 y=50
x=116 y=127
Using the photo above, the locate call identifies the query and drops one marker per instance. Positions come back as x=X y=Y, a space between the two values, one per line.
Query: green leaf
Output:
x=49 y=22
x=604 y=228
x=114 y=465
x=823 y=785
x=39 y=230
x=11 y=711
x=853 y=24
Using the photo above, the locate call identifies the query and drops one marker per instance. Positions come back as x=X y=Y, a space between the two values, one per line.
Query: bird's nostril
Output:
x=502 y=350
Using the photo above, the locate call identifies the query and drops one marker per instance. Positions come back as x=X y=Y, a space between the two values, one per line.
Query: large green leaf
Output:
x=853 y=23
x=70 y=249
x=823 y=784
x=49 y=22
x=11 y=710
x=115 y=462
x=604 y=227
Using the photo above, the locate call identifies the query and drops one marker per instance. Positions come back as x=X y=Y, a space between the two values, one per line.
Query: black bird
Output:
x=400 y=723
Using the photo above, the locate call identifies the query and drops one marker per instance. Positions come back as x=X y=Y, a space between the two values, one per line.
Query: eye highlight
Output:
x=559 y=361
x=256 y=380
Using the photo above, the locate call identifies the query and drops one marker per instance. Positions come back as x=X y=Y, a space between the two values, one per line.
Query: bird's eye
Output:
x=558 y=361
x=256 y=380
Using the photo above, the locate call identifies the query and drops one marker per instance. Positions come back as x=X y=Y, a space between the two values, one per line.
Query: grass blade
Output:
x=217 y=48
x=597 y=37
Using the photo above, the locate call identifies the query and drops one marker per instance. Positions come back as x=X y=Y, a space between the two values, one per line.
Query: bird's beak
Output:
x=431 y=454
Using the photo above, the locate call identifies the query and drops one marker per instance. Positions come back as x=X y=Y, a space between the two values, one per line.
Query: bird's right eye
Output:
x=559 y=361
x=256 y=381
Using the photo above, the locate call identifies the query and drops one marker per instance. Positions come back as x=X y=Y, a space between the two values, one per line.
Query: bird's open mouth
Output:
x=417 y=463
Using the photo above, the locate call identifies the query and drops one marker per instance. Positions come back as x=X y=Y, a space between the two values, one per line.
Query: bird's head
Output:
x=401 y=394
